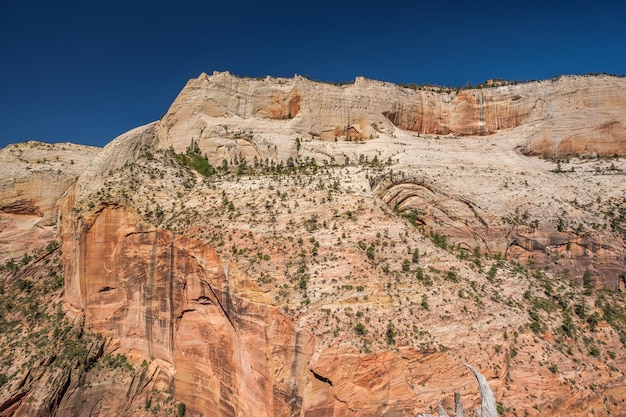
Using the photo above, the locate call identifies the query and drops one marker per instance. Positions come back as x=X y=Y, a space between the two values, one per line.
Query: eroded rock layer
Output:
x=517 y=237
x=172 y=300
x=569 y=115
x=281 y=247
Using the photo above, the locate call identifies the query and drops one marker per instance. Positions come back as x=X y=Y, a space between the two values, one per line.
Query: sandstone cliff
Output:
x=33 y=176
x=582 y=115
x=234 y=259
x=169 y=299
x=257 y=120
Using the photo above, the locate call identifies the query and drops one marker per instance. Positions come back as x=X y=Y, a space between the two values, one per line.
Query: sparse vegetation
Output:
x=313 y=239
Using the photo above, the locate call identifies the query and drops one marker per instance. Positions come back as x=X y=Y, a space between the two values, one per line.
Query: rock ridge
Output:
x=581 y=115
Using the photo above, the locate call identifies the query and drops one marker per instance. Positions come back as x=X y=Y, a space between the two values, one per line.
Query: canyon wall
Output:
x=33 y=177
x=568 y=115
x=340 y=269
x=171 y=300
x=212 y=337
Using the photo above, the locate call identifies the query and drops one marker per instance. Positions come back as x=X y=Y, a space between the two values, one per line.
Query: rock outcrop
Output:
x=171 y=300
x=33 y=177
x=235 y=259
x=515 y=236
x=575 y=115
x=234 y=118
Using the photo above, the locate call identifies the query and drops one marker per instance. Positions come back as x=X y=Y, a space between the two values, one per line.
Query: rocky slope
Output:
x=235 y=259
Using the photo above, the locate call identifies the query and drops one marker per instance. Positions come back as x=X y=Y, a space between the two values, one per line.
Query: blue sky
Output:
x=88 y=71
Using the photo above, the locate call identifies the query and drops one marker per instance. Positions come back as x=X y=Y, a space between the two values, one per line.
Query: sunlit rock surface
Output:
x=281 y=247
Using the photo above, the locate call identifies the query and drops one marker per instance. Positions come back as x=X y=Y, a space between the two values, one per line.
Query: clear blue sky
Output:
x=87 y=71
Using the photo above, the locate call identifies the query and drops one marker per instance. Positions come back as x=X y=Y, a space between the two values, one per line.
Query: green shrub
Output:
x=439 y=240
x=451 y=275
x=406 y=265
x=535 y=326
x=24 y=285
x=196 y=162
x=391 y=333
x=360 y=329
x=416 y=256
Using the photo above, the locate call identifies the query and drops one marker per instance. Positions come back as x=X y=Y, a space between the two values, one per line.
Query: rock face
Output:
x=581 y=115
x=172 y=300
x=288 y=248
x=516 y=237
x=33 y=177
x=256 y=119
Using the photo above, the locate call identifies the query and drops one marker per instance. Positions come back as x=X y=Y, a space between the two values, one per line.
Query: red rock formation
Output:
x=172 y=300
x=221 y=344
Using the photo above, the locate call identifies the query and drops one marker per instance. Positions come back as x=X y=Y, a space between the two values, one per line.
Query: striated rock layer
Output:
x=236 y=118
x=33 y=177
x=226 y=261
x=581 y=115
x=516 y=237
x=172 y=300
